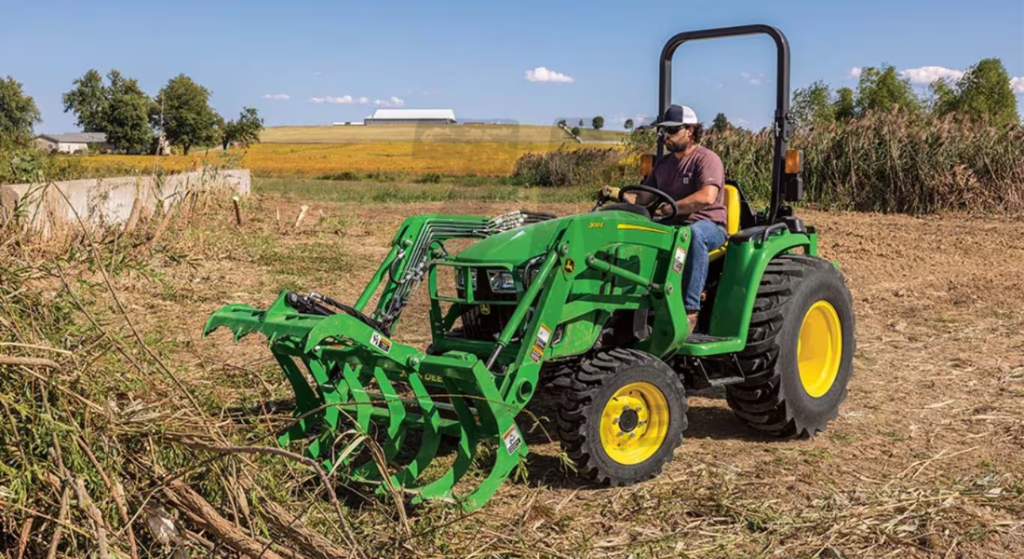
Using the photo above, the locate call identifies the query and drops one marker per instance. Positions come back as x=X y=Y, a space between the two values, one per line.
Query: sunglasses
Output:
x=670 y=130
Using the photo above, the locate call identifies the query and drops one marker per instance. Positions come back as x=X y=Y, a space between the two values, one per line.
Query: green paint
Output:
x=620 y=261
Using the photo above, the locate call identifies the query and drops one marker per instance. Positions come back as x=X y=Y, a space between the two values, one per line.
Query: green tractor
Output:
x=589 y=303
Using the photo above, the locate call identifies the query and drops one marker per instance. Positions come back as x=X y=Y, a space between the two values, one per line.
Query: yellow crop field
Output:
x=446 y=158
x=490 y=133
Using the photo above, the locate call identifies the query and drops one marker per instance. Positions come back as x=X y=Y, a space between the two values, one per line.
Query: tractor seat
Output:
x=732 y=219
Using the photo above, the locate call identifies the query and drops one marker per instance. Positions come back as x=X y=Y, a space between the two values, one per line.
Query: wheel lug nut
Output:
x=615 y=421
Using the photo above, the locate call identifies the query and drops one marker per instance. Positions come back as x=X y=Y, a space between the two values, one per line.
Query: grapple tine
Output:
x=306 y=400
x=240 y=319
x=332 y=394
x=442 y=487
x=498 y=420
x=396 y=429
x=431 y=436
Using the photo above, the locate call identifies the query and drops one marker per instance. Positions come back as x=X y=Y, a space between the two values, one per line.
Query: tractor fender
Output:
x=745 y=262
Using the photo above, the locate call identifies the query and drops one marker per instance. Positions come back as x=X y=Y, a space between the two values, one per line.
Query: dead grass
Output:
x=924 y=461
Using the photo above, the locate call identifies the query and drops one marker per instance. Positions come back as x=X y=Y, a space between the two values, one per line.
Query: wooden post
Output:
x=302 y=214
x=238 y=211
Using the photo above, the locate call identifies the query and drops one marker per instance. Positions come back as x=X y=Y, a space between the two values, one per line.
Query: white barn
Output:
x=79 y=142
x=411 y=116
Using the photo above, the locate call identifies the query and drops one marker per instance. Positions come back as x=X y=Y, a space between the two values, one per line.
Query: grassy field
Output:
x=924 y=461
x=489 y=133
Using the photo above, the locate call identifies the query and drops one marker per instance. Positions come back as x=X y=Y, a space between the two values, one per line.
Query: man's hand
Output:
x=610 y=193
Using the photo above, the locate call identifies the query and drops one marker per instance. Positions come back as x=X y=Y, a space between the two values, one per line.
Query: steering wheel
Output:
x=663 y=199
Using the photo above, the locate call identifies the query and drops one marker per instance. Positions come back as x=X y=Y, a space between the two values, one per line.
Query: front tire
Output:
x=800 y=345
x=622 y=416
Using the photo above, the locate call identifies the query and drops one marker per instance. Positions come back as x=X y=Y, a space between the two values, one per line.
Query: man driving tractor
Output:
x=694 y=177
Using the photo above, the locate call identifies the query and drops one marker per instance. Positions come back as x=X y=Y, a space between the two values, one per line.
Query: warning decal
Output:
x=680 y=259
x=543 y=336
x=380 y=342
x=512 y=440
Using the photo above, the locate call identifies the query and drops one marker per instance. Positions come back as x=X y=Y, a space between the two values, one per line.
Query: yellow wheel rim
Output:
x=819 y=349
x=634 y=423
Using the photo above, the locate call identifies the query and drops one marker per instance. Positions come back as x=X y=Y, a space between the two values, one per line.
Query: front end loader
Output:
x=590 y=304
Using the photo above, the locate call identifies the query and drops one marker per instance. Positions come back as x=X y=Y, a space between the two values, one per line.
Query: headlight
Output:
x=460 y=278
x=501 y=281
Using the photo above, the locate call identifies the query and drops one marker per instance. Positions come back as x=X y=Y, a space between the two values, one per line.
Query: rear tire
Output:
x=622 y=416
x=800 y=345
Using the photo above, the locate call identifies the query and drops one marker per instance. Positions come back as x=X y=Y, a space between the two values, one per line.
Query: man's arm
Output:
x=706 y=196
x=643 y=198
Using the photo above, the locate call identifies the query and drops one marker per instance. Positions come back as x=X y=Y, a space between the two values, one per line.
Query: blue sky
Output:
x=473 y=57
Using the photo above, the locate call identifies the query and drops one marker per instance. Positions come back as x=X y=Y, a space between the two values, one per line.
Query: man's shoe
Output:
x=691 y=320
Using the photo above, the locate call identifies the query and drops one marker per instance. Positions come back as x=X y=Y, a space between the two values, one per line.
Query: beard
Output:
x=676 y=147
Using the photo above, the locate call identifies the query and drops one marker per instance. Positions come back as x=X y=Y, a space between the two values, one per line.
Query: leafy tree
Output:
x=598 y=122
x=983 y=93
x=561 y=122
x=882 y=89
x=576 y=130
x=628 y=125
x=119 y=108
x=720 y=124
x=18 y=113
x=844 y=108
x=88 y=100
x=245 y=131
x=581 y=123
x=812 y=105
x=126 y=117
x=185 y=115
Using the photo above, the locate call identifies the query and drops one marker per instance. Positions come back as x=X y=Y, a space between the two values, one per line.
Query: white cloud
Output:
x=931 y=74
x=392 y=102
x=318 y=73
x=854 y=72
x=343 y=100
x=276 y=96
x=1017 y=84
x=363 y=100
x=542 y=74
x=752 y=79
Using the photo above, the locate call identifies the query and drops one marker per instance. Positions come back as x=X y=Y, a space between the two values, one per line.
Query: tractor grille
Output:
x=485 y=322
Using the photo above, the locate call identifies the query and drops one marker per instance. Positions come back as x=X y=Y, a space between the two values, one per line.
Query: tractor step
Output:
x=723 y=381
x=703 y=345
x=703 y=339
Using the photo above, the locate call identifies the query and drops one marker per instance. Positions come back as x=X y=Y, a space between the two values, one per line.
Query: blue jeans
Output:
x=706 y=236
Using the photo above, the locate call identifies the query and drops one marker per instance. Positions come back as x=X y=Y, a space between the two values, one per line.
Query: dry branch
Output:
x=28 y=362
x=202 y=512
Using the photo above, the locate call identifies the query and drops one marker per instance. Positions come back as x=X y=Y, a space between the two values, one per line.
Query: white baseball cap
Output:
x=678 y=115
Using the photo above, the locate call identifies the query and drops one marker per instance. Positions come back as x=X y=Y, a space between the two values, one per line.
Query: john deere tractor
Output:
x=591 y=303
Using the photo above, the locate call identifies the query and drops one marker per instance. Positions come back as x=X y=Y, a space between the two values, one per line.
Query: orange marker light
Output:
x=646 y=164
x=794 y=163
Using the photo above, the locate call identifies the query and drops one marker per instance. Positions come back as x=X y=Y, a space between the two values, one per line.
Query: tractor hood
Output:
x=515 y=246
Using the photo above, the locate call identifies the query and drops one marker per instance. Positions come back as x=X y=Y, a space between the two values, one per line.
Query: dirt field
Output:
x=925 y=460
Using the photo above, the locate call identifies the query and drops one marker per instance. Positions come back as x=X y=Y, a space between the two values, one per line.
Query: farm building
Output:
x=78 y=142
x=411 y=116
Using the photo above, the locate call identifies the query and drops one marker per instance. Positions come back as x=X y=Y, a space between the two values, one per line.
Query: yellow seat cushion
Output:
x=731 y=199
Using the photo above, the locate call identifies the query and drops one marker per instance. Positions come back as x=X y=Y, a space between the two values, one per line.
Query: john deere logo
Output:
x=485 y=309
x=570 y=266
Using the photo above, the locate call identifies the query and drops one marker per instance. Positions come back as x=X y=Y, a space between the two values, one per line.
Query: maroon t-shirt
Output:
x=680 y=178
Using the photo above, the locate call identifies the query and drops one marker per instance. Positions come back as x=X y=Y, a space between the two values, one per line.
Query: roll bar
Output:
x=783 y=126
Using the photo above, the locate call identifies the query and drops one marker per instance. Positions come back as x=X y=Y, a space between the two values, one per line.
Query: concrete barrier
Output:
x=49 y=207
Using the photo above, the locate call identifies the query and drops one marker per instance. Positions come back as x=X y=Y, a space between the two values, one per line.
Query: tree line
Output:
x=982 y=95
x=132 y=121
